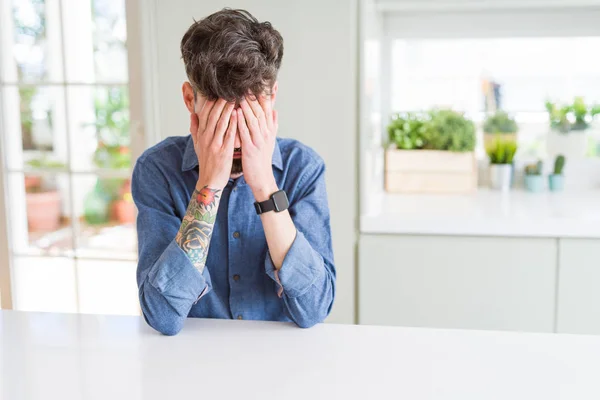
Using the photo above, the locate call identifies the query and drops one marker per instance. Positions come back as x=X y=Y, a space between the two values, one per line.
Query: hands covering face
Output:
x=214 y=129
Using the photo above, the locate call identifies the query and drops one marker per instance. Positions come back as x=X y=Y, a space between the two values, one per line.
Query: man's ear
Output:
x=188 y=96
x=274 y=93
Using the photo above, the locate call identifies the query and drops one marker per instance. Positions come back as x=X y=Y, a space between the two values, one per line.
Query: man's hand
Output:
x=257 y=125
x=213 y=131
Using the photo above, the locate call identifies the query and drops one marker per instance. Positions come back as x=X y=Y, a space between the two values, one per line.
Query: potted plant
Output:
x=569 y=124
x=123 y=207
x=499 y=125
x=42 y=199
x=534 y=181
x=431 y=152
x=109 y=197
x=501 y=154
x=556 y=181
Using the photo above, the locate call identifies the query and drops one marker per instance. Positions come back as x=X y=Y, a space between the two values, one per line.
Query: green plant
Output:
x=500 y=122
x=449 y=130
x=45 y=163
x=112 y=131
x=502 y=151
x=559 y=164
x=434 y=130
x=571 y=117
x=534 y=169
x=406 y=131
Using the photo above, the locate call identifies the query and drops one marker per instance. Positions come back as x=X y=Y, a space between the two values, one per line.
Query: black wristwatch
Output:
x=277 y=202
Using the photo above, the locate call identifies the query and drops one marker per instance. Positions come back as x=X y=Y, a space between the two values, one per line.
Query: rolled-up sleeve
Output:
x=168 y=283
x=306 y=279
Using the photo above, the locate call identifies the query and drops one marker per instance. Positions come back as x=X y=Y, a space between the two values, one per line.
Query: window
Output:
x=517 y=75
x=67 y=159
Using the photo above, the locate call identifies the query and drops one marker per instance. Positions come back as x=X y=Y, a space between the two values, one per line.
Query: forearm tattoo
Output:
x=197 y=225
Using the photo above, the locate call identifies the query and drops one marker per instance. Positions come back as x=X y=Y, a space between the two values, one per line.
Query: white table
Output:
x=59 y=356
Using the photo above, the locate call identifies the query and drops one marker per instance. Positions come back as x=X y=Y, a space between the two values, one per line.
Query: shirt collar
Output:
x=190 y=160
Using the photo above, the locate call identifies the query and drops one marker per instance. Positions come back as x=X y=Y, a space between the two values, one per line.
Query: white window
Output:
x=517 y=74
x=66 y=155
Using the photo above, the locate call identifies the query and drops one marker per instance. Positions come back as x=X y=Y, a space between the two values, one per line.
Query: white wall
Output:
x=317 y=98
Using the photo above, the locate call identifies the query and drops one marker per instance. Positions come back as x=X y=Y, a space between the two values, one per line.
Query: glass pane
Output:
x=31 y=29
x=40 y=220
x=99 y=126
x=44 y=284
x=95 y=40
x=105 y=216
x=459 y=72
x=35 y=126
x=95 y=277
x=110 y=38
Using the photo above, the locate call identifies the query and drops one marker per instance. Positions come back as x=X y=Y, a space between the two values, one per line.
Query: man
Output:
x=233 y=222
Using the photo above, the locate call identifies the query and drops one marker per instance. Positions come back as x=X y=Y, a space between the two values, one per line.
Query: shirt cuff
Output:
x=176 y=278
x=302 y=266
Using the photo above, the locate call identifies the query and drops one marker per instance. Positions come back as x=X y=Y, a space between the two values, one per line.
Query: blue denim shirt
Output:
x=239 y=280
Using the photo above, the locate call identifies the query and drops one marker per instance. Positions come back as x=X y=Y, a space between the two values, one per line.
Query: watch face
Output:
x=281 y=201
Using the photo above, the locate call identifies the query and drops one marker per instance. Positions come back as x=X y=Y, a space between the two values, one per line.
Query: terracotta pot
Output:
x=43 y=211
x=124 y=211
x=32 y=182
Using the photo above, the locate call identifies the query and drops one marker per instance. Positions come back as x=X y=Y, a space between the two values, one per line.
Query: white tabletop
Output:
x=487 y=213
x=60 y=356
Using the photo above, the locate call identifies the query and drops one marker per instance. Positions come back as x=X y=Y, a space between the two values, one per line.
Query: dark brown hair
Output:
x=229 y=54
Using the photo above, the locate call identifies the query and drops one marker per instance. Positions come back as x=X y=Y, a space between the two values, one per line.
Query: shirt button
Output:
x=240 y=317
x=236 y=234
x=236 y=277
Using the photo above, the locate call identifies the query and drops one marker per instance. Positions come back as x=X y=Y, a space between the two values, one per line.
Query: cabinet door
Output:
x=458 y=282
x=579 y=287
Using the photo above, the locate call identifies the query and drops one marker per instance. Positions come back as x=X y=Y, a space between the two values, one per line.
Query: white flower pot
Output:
x=501 y=176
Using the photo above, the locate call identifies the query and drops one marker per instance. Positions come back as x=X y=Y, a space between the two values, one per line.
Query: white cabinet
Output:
x=579 y=286
x=458 y=282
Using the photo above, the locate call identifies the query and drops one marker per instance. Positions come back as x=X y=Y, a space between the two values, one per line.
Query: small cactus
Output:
x=559 y=164
x=534 y=169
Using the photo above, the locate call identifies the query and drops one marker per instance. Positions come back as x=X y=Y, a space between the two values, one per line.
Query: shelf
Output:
x=487 y=213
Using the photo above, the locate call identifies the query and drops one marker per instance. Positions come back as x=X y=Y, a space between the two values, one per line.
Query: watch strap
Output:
x=277 y=202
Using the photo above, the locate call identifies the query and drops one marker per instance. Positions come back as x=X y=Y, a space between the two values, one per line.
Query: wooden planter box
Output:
x=430 y=171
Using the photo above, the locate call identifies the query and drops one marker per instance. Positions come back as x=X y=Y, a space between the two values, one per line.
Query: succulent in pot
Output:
x=556 y=181
x=534 y=181
x=501 y=154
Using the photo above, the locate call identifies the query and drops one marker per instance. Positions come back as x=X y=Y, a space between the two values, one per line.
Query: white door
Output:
x=66 y=157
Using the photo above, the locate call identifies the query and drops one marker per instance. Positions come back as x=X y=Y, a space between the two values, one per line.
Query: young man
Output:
x=233 y=222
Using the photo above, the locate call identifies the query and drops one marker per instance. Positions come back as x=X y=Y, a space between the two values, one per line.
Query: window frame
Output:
x=137 y=86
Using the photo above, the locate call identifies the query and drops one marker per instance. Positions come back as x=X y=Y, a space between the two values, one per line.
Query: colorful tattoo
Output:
x=197 y=225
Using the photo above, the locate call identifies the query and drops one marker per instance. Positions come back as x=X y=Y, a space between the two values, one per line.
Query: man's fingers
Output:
x=203 y=114
x=267 y=106
x=259 y=113
x=243 y=128
x=231 y=131
x=223 y=123
x=214 y=116
x=194 y=126
x=251 y=119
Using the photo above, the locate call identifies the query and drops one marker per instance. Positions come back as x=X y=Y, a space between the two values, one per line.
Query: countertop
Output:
x=70 y=356
x=487 y=213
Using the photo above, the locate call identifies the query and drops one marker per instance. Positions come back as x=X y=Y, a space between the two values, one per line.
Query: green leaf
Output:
x=197 y=215
x=211 y=219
